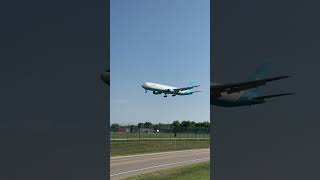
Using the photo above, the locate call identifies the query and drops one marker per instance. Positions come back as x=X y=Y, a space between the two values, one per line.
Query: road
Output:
x=126 y=166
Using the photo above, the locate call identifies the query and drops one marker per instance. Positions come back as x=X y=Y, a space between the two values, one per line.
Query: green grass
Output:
x=118 y=135
x=120 y=148
x=199 y=171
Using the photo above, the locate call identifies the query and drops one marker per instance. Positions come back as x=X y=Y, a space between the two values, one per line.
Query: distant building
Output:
x=124 y=130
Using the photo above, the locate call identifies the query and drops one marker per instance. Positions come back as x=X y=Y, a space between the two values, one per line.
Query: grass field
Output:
x=120 y=148
x=200 y=171
x=118 y=135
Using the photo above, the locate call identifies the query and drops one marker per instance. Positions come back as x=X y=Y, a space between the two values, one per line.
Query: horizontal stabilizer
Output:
x=241 y=86
x=185 y=88
x=196 y=91
x=271 y=96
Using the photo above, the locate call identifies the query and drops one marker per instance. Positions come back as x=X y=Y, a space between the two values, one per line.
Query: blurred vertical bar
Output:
x=212 y=127
x=107 y=56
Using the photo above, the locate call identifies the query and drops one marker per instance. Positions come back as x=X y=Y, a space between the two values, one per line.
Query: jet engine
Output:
x=156 y=92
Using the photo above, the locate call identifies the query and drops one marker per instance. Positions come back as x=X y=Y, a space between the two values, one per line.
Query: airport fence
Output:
x=160 y=134
x=139 y=141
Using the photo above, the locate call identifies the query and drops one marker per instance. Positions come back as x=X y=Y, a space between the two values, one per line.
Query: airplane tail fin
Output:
x=261 y=72
x=192 y=83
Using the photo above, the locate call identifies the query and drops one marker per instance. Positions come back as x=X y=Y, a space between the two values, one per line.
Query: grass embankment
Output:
x=199 y=171
x=121 y=148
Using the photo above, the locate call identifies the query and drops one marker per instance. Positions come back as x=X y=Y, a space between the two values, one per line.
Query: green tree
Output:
x=192 y=124
x=114 y=127
x=147 y=124
x=176 y=124
x=185 y=124
x=140 y=125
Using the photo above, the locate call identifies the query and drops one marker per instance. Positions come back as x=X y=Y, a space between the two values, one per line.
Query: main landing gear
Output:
x=145 y=90
x=165 y=95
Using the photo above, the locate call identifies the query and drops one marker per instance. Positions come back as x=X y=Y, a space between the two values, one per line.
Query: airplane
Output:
x=160 y=88
x=225 y=95
x=243 y=93
x=156 y=88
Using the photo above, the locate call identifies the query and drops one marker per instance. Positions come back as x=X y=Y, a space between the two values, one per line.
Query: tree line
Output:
x=174 y=125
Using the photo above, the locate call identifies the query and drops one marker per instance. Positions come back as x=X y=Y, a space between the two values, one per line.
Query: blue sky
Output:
x=161 y=41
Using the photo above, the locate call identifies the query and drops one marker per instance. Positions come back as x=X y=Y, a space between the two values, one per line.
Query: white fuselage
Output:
x=160 y=88
x=232 y=99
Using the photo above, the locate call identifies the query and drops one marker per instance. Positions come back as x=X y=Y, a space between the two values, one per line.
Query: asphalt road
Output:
x=126 y=166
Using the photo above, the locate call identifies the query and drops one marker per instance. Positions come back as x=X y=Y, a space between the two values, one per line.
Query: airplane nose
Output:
x=105 y=77
x=145 y=85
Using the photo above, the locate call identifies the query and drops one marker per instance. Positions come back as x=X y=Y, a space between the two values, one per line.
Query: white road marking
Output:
x=150 y=154
x=162 y=165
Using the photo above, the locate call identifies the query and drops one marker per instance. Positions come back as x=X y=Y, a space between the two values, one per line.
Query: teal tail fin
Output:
x=192 y=83
x=261 y=72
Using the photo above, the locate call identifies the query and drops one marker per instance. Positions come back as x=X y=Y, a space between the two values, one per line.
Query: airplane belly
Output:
x=149 y=88
x=228 y=100
x=234 y=97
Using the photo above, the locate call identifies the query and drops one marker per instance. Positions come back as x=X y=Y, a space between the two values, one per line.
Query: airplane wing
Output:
x=271 y=96
x=185 y=88
x=237 y=87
